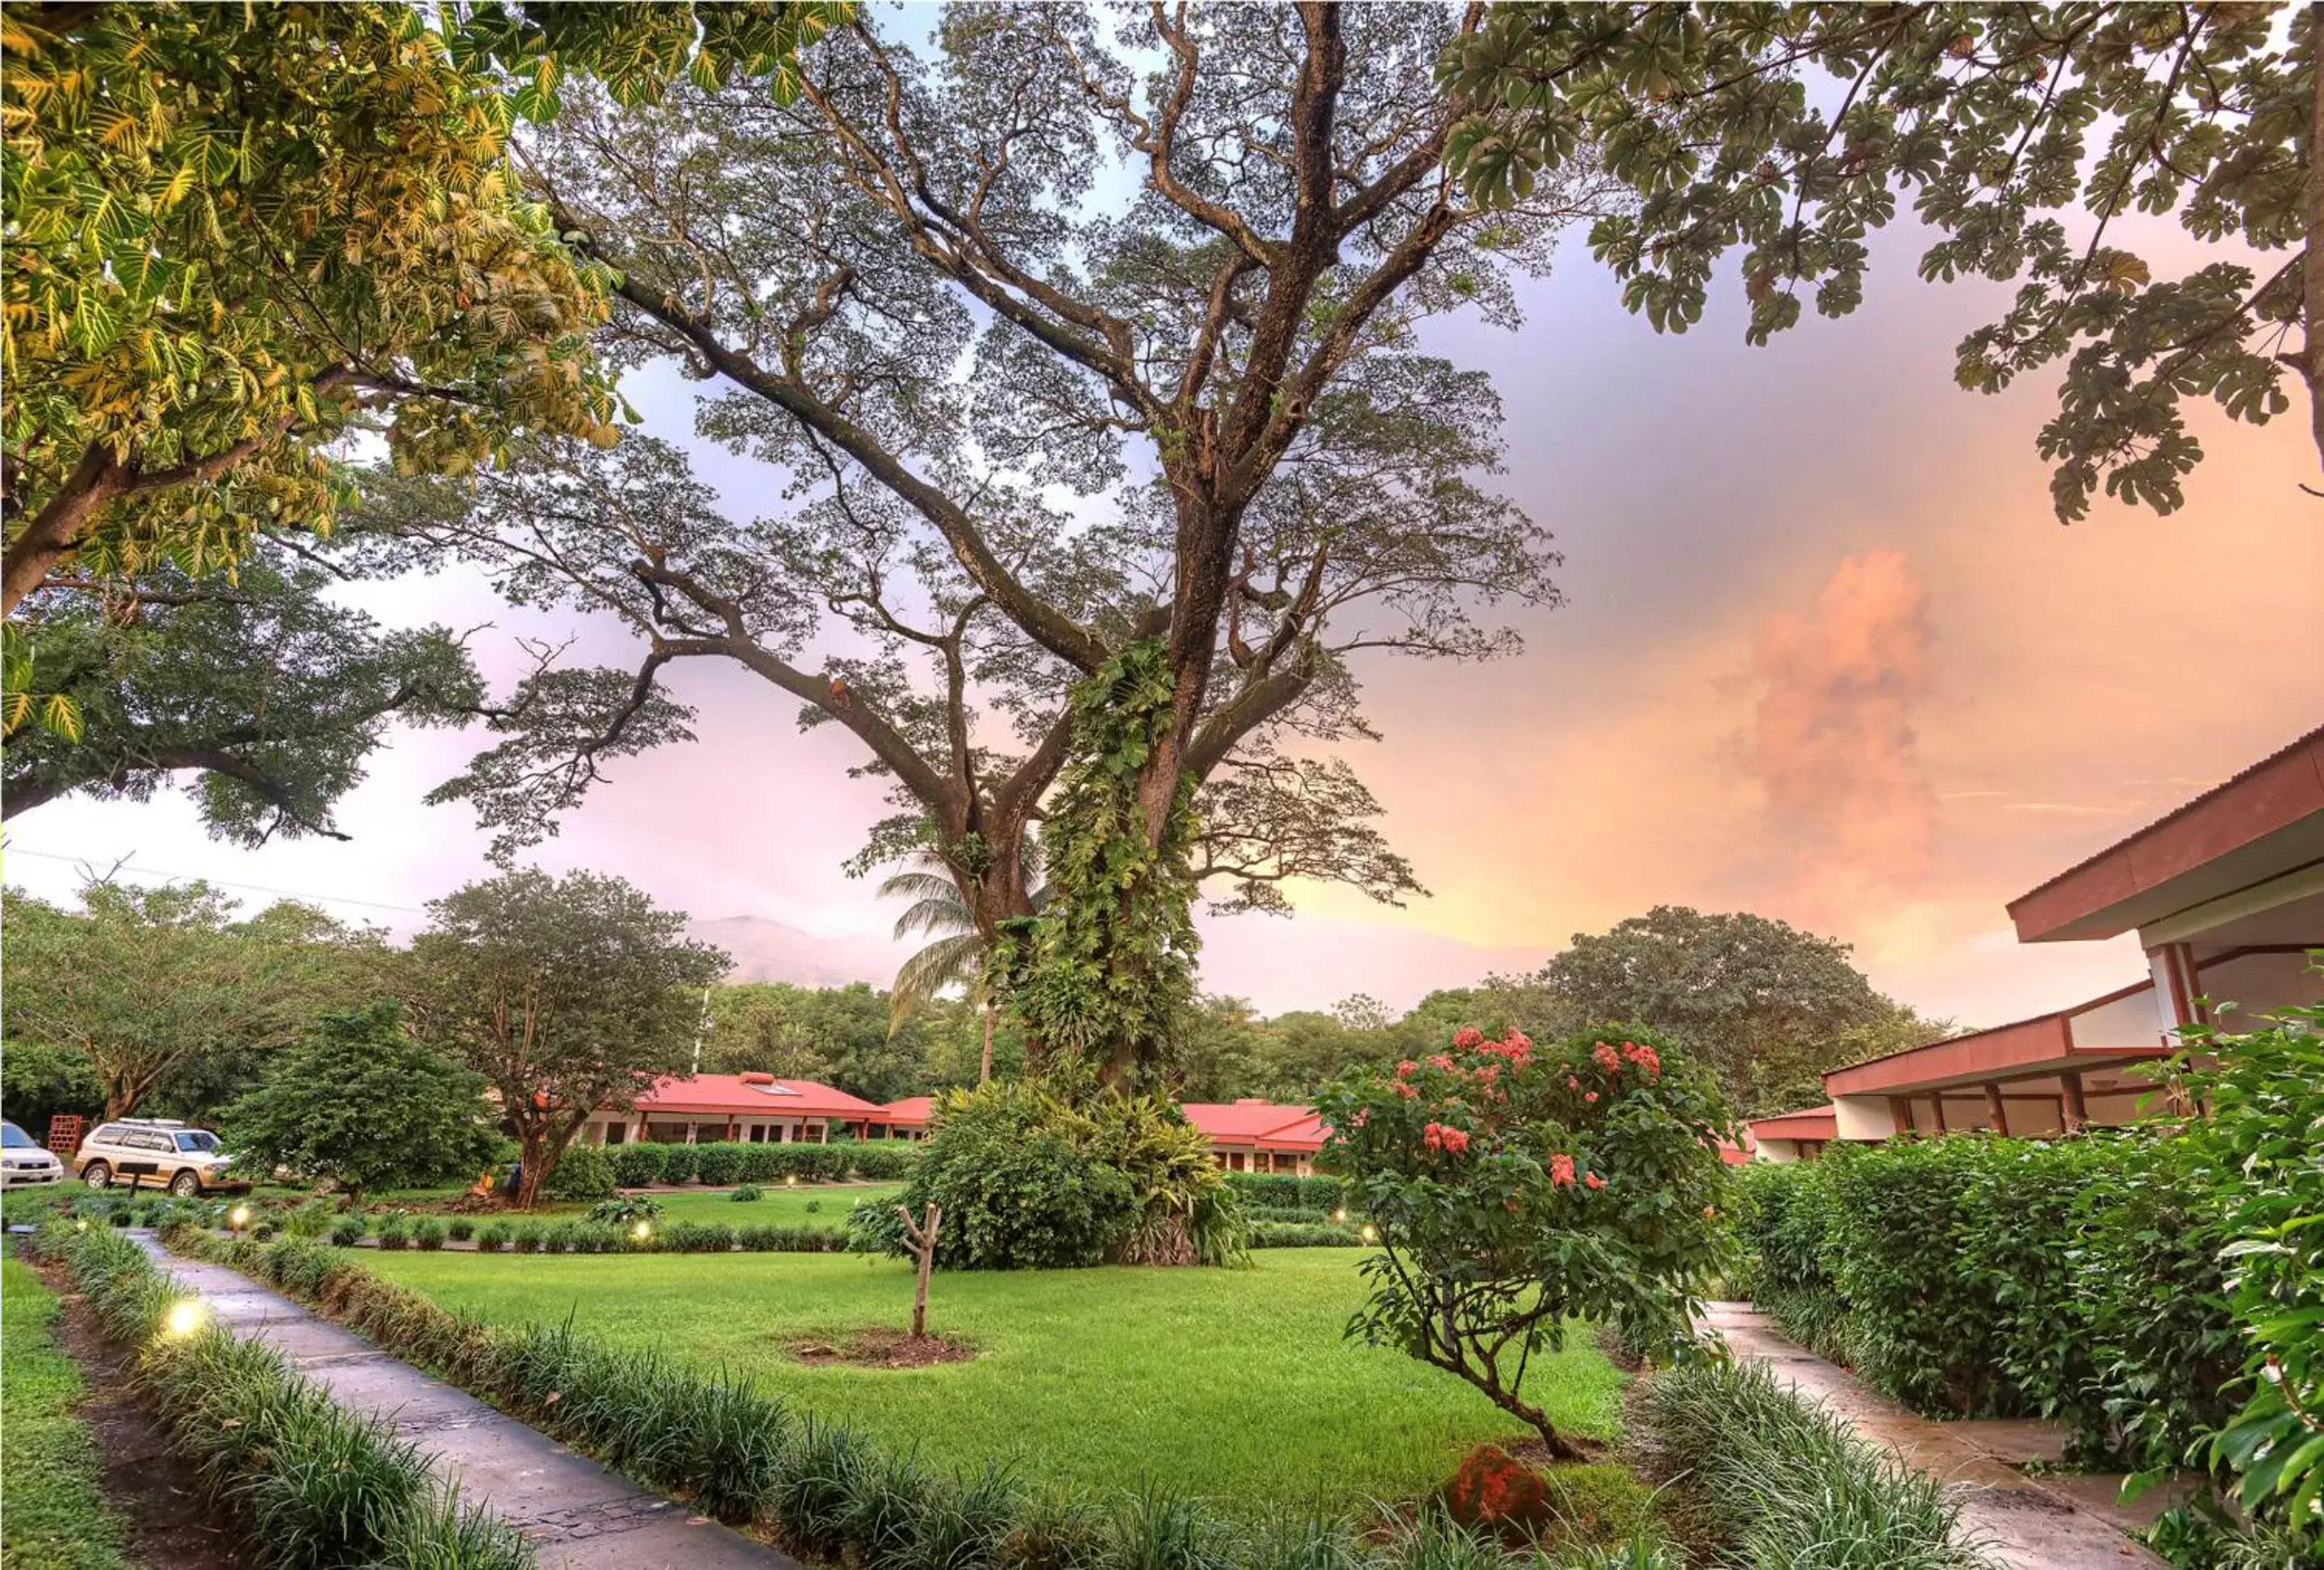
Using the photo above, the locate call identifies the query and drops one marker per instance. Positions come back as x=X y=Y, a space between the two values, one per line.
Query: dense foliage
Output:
x=358 y=1100
x=2259 y=1153
x=1791 y=132
x=1518 y=1190
x=169 y=999
x=1975 y=1276
x=1031 y=1179
x=567 y=994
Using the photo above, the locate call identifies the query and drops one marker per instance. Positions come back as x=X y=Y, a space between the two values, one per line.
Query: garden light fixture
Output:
x=643 y=1230
x=186 y=1317
x=238 y=1217
x=1371 y=1233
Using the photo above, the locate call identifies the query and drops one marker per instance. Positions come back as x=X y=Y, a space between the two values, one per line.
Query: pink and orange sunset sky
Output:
x=1826 y=655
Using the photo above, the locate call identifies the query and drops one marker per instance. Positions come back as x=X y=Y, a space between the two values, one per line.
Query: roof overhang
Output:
x=1816 y=1124
x=2264 y=823
x=2035 y=1049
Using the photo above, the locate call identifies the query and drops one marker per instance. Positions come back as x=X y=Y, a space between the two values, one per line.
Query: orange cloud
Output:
x=1832 y=741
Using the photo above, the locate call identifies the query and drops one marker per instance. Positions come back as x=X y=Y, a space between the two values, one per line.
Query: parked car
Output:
x=23 y=1160
x=187 y=1161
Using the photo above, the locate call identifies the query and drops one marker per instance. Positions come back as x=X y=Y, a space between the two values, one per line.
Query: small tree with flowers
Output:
x=1518 y=1190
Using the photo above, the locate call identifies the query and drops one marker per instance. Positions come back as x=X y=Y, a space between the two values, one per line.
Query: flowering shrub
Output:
x=1517 y=1188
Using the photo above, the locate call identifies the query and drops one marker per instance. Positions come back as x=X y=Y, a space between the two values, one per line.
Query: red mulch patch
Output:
x=170 y=1527
x=878 y=1348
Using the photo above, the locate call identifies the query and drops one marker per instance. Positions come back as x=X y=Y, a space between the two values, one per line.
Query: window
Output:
x=108 y=1133
x=197 y=1139
x=15 y=1139
x=139 y=1140
x=616 y=1133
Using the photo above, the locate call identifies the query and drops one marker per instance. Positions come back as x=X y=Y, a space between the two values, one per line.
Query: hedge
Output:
x=307 y=1484
x=744 y=1455
x=1974 y=1276
x=1284 y=1191
x=722 y=1163
x=1290 y=1234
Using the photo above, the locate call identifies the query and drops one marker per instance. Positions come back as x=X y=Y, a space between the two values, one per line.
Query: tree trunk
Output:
x=532 y=1155
x=922 y=1235
x=57 y=530
x=985 y=1065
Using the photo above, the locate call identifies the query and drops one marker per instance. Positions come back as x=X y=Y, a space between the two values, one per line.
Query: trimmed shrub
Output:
x=635 y=1165
x=760 y=1163
x=395 y=1232
x=717 y=1165
x=430 y=1232
x=698 y=1237
x=1282 y=1190
x=583 y=1172
x=747 y=1194
x=492 y=1237
x=881 y=1161
x=463 y=1229
x=678 y=1163
x=1292 y=1235
x=524 y=1237
x=347 y=1230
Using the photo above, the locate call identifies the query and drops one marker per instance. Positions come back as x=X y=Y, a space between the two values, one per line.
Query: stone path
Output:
x=2029 y=1523
x=576 y=1514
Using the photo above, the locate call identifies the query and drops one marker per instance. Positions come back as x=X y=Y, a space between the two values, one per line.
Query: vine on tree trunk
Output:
x=1104 y=974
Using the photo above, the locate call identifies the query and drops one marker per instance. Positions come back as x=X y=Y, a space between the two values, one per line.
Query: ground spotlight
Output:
x=186 y=1316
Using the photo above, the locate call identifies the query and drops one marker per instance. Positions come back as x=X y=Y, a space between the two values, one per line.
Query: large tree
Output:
x=166 y=995
x=1057 y=340
x=567 y=994
x=1789 y=133
x=258 y=689
x=1765 y=1004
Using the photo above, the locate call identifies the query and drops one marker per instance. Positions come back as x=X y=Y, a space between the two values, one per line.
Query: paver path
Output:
x=2029 y=1523
x=579 y=1515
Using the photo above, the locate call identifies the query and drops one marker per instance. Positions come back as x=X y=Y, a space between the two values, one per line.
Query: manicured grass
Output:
x=52 y=1514
x=1235 y=1385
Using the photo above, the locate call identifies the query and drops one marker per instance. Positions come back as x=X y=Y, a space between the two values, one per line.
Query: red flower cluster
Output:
x=1561 y=1169
x=1644 y=1057
x=1442 y=1060
x=1594 y=1181
x=1443 y=1136
x=1407 y=1069
x=1468 y=1038
x=1605 y=1057
x=1515 y=1046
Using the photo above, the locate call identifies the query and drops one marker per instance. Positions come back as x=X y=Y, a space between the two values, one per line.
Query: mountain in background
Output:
x=771 y=951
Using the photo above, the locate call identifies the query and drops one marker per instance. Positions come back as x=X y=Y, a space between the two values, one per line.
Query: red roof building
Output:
x=1252 y=1135
x=750 y=1108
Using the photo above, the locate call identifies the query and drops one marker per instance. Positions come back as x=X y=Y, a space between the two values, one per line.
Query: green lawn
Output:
x=52 y=1514
x=1232 y=1384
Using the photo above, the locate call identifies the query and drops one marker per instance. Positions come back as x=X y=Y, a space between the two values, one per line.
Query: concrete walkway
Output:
x=2028 y=1523
x=576 y=1513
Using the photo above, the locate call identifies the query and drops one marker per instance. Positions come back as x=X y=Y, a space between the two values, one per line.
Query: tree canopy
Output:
x=356 y=1100
x=269 y=695
x=165 y=994
x=1023 y=417
x=567 y=994
x=2025 y=137
x=1766 y=1005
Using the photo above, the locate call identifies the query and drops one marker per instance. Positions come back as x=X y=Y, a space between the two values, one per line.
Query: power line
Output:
x=220 y=882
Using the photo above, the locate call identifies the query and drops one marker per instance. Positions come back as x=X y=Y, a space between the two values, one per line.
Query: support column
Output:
x=1937 y=1102
x=2074 y=1111
x=1900 y=1112
x=1994 y=1107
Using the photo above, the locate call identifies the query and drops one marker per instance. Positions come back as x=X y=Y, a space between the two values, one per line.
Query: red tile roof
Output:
x=1265 y=1124
x=756 y=1095
x=1815 y=1123
x=911 y=1113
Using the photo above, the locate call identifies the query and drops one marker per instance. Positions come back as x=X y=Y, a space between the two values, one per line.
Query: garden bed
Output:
x=878 y=1347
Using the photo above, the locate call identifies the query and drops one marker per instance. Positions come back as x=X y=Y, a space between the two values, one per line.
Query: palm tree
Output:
x=956 y=957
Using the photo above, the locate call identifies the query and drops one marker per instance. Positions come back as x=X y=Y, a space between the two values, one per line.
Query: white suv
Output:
x=187 y=1161
x=23 y=1160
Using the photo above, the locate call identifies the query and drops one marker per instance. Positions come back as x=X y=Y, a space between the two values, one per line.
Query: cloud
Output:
x=1831 y=741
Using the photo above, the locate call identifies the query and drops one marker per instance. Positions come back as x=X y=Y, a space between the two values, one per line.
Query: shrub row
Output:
x=310 y=1485
x=746 y=1456
x=585 y=1237
x=2076 y=1280
x=724 y=1163
x=1282 y=1191
x=1789 y=1483
x=1292 y=1235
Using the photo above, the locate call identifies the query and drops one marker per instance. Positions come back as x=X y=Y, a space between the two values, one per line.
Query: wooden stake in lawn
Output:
x=922 y=1236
